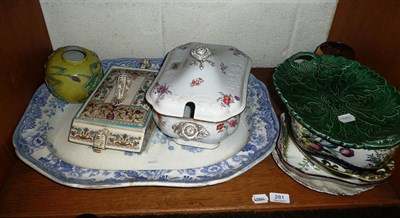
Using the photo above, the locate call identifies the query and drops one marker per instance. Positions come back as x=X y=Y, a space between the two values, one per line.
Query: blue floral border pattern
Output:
x=30 y=141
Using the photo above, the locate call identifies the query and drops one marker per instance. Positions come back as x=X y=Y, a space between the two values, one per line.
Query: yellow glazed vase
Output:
x=72 y=73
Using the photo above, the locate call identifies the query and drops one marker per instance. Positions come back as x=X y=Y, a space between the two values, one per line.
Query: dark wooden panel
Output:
x=372 y=28
x=24 y=48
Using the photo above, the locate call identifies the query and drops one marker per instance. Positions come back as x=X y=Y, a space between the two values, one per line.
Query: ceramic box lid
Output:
x=116 y=115
x=211 y=79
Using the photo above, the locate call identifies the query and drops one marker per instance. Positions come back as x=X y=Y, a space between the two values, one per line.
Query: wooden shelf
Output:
x=28 y=193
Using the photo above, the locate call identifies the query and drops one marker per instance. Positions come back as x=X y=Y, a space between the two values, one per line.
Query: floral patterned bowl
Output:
x=356 y=158
x=200 y=93
x=340 y=108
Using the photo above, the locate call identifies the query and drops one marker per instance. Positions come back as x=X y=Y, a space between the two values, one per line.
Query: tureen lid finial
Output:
x=200 y=53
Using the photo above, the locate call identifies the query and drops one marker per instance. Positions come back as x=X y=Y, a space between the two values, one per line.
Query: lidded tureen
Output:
x=200 y=93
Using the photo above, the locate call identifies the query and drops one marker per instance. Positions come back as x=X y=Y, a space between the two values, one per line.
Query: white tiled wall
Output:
x=268 y=31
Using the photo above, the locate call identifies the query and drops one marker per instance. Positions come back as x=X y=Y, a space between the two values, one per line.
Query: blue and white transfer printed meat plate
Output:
x=41 y=141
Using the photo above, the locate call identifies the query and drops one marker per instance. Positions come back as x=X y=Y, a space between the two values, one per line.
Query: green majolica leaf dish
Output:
x=340 y=100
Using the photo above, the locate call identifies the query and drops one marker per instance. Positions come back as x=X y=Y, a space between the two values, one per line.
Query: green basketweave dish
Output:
x=340 y=100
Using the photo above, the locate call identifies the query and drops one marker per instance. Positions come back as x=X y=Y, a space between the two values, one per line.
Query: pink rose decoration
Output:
x=232 y=123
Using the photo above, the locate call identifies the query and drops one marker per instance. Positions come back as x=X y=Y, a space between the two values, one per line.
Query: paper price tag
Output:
x=345 y=118
x=260 y=198
x=279 y=197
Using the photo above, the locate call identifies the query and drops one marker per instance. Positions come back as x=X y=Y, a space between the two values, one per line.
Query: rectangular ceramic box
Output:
x=116 y=115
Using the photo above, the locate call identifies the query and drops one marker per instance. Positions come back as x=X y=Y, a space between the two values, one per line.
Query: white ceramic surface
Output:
x=200 y=92
x=43 y=126
x=213 y=77
x=217 y=132
x=161 y=152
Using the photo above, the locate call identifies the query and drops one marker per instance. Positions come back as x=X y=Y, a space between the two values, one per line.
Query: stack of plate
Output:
x=312 y=173
x=344 y=120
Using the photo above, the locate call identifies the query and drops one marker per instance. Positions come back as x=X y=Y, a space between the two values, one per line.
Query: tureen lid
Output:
x=201 y=81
